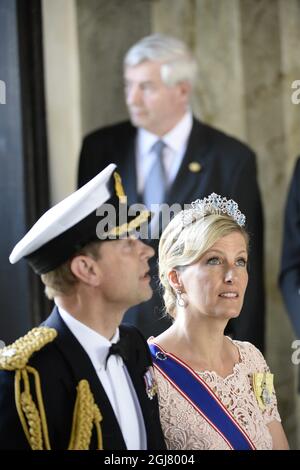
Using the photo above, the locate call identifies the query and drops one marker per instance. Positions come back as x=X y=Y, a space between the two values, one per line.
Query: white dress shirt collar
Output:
x=95 y=345
x=177 y=137
x=174 y=139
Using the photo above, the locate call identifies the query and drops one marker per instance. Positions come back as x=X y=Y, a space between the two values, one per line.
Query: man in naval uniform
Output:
x=81 y=381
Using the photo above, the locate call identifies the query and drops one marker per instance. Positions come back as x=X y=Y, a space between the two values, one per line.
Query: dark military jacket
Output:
x=61 y=365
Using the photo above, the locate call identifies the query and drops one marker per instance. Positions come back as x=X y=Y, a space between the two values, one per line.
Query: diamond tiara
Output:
x=213 y=204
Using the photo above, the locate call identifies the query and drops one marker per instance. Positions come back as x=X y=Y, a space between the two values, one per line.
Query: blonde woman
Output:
x=214 y=393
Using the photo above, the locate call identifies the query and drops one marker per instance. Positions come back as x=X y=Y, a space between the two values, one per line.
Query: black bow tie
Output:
x=120 y=348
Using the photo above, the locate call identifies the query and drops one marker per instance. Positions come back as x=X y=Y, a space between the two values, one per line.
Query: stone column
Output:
x=212 y=31
x=261 y=57
x=62 y=94
x=106 y=30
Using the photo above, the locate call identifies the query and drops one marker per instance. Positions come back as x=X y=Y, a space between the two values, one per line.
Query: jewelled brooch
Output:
x=150 y=383
x=263 y=388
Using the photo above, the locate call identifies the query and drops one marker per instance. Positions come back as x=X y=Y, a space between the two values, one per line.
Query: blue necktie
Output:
x=155 y=184
x=155 y=188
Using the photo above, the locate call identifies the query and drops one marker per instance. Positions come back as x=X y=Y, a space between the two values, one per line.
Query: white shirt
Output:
x=176 y=142
x=115 y=380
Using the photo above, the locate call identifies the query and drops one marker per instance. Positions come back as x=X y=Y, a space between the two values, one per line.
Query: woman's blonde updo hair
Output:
x=183 y=244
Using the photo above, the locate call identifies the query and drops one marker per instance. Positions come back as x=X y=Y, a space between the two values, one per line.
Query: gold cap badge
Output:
x=119 y=188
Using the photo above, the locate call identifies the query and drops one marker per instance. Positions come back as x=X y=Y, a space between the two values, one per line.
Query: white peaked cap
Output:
x=72 y=223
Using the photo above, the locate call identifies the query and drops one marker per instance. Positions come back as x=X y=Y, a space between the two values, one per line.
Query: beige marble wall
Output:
x=62 y=94
x=289 y=32
x=212 y=30
x=106 y=29
x=265 y=128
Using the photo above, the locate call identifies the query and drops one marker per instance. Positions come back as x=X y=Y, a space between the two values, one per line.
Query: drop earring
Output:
x=179 y=299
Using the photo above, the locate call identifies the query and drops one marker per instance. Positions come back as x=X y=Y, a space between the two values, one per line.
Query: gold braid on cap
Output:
x=119 y=188
x=32 y=415
x=126 y=228
x=130 y=226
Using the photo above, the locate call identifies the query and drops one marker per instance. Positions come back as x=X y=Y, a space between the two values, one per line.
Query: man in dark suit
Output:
x=197 y=160
x=79 y=381
x=289 y=279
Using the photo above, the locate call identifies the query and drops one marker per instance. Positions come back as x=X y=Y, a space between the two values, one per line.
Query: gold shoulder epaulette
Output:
x=16 y=355
x=32 y=413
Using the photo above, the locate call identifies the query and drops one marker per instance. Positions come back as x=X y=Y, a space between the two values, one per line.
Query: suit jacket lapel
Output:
x=186 y=180
x=82 y=368
x=128 y=168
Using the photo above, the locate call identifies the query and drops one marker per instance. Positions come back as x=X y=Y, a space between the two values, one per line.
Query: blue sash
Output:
x=201 y=397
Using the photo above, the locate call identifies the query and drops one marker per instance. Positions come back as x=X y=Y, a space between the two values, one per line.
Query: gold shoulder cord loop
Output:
x=32 y=415
x=86 y=414
x=15 y=357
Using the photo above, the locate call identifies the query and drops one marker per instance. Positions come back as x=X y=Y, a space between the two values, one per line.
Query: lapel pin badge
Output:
x=195 y=167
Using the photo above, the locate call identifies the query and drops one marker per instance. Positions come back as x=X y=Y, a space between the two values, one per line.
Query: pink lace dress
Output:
x=184 y=428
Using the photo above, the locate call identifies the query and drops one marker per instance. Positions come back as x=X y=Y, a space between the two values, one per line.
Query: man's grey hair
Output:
x=178 y=63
